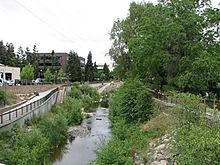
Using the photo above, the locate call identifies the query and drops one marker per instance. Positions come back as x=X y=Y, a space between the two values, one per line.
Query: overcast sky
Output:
x=63 y=25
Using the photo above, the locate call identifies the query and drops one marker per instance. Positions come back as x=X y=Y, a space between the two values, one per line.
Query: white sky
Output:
x=63 y=25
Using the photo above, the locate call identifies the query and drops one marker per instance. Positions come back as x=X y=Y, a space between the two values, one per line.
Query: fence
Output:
x=41 y=105
x=169 y=101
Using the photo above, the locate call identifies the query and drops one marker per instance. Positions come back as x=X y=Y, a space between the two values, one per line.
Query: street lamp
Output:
x=4 y=84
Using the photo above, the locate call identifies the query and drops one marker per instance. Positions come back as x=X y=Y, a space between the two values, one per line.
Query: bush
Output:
x=132 y=101
x=87 y=94
x=71 y=108
x=27 y=148
x=127 y=139
x=75 y=92
x=197 y=145
x=53 y=128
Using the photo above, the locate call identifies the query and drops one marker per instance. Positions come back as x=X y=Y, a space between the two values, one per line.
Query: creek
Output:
x=80 y=148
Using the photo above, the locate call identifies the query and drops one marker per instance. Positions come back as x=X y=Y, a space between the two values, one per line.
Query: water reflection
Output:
x=81 y=150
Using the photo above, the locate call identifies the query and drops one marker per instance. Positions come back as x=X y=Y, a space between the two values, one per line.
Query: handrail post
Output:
x=9 y=115
x=1 y=118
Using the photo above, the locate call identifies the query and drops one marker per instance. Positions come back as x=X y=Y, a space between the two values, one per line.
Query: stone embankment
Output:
x=76 y=131
x=159 y=153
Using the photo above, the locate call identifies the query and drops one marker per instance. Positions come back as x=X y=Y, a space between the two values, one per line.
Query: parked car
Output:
x=38 y=81
x=6 y=82
x=11 y=82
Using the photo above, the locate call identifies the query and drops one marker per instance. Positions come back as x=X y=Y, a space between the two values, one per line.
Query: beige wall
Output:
x=14 y=70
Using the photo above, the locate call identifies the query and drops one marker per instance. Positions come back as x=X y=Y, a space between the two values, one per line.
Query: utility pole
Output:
x=4 y=84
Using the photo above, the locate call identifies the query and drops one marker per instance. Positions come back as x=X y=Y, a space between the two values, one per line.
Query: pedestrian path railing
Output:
x=11 y=116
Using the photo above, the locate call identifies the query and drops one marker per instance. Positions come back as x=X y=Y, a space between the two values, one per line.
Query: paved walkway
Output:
x=41 y=95
x=103 y=88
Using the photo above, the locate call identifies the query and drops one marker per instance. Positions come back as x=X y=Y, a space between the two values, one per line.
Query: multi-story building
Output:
x=55 y=61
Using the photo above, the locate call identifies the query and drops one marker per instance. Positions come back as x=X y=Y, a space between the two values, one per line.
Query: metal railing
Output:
x=12 y=115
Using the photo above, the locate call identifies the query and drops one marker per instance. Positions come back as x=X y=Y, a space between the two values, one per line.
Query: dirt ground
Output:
x=18 y=94
x=29 y=89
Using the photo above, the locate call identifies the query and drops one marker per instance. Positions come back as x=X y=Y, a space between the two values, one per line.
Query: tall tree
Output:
x=21 y=56
x=10 y=54
x=35 y=61
x=53 y=62
x=106 y=71
x=74 y=69
x=89 y=70
x=48 y=75
x=29 y=56
x=96 y=73
x=60 y=74
x=27 y=73
x=3 y=57
x=164 y=43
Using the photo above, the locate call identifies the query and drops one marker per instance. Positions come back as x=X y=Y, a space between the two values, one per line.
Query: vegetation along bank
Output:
x=33 y=143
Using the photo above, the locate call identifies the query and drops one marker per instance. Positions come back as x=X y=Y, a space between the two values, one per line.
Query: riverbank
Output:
x=33 y=143
x=84 y=140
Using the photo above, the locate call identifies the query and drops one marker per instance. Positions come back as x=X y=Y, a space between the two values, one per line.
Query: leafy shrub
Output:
x=71 y=108
x=75 y=92
x=190 y=107
x=126 y=140
x=87 y=94
x=132 y=101
x=197 y=145
x=53 y=128
x=27 y=148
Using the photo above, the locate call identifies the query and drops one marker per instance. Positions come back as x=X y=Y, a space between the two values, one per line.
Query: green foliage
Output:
x=105 y=97
x=72 y=110
x=74 y=69
x=89 y=70
x=87 y=94
x=132 y=101
x=26 y=148
x=190 y=107
x=27 y=72
x=54 y=129
x=197 y=145
x=126 y=140
x=106 y=71
x=48 y=75
x=177 y=47
x=75 y=92
x=60 y=74
x=102 y=77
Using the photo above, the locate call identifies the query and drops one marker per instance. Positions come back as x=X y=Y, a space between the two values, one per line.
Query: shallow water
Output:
x=81 y=150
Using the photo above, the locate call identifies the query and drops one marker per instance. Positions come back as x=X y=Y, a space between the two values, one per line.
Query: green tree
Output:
x=96 y=72
x=3 y=57
x=74 y=69
x=53 y=61
x=48 y=75
x=29 y=56
x=35 y=60
x=89 y=70
x=106 y=71
x=21 y=56
x=160 y=43
x=132 y=102
x=10 y=55
x=60 y=74
x=27 y=73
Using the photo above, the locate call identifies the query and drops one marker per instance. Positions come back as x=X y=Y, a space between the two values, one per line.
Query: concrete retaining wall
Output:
x=27 y=112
